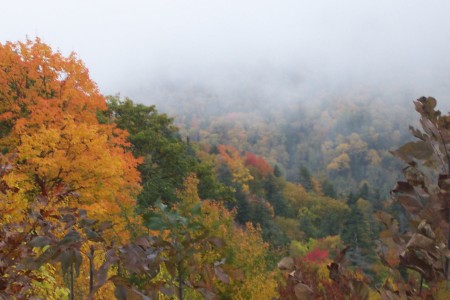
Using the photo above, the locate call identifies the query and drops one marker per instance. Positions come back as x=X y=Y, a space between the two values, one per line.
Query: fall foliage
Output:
x=104 y=198
x=59 y=156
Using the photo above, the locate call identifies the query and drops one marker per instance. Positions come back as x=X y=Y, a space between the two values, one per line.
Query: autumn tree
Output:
x=199 y=251
x=246 y=255
x=49 y=112
x=48 y=116
x=314 y=274
x=230 y=157
x=39 y=86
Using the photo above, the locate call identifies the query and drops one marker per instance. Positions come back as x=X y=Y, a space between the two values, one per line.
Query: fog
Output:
x=275 y=47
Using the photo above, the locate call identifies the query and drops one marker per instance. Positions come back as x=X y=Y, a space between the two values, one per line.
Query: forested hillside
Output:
x=343 y=135
x=217 y=198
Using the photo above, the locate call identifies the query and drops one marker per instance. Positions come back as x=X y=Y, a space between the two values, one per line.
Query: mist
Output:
x=268 y=49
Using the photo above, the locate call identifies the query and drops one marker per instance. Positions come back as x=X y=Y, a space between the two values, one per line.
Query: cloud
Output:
x=128 y=43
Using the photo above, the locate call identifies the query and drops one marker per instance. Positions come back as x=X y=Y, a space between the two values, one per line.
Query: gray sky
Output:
x=127 y=44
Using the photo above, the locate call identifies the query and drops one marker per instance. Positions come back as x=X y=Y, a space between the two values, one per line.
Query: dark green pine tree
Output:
x=277 y=171
x=270 y=231
x=307 y=223
x=328 y=189
x=260 y=214
x=210 y=187
x=364 y=191
x=357 y=235
x=274 y=194
x=244 y=212
x=305 y=179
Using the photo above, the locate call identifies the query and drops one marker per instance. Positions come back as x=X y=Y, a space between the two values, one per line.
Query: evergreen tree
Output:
x=154 y=137
x=364 y=191
x=304 y=178
x=357 y=235
x=306 y=222
x=244 y=213
x=274 y=194
x=328 y=189
x=276 y=171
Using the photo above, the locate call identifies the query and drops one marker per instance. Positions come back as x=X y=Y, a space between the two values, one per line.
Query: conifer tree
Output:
x=356 y=235
x=328 y=189
x=304 y=178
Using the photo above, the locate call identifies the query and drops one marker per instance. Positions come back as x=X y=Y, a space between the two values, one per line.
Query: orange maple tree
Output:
x=48 y=116
x=49 y=128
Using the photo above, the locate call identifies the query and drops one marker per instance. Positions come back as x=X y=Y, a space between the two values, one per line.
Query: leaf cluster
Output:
x=48 y=234
x=424 y=196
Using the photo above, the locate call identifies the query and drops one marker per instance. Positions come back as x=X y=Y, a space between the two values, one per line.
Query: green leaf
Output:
x=155 y=223
x=196 y=209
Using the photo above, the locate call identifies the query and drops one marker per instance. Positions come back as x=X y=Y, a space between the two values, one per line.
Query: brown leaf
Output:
x=417 y=133
x=40 y=241
x=216 y=241
x=237 y=274
x=359 y=289
x=143 y=242
x=420 y=241
x=412 y=151
x=425 y=229
x=334 y=272
x=171 y=268
x=389 y=252
x=340 y=256
x=444 y=182
x=234 y=274
x=425 y=106
x=208 y=294
x=286 y=264
x=221 y=275
x=410 y=259
x=388 y=295
x=405 y=194
x=303 y=292
x=385 y=218
x=168 y=291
